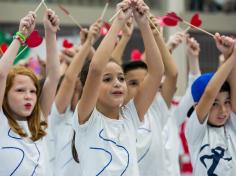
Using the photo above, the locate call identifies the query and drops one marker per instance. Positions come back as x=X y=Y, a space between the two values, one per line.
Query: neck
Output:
x=112 y=113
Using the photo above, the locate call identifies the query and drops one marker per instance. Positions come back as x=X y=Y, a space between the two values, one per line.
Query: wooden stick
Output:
x=115 y=15
x=186 y=30
x=104 y=11
x=69 y=15
x=152 y=24
x=1 y=52
x=38 y=7
x=200 y=29
x=22 y=51
x=44 y=4
x=76 y=22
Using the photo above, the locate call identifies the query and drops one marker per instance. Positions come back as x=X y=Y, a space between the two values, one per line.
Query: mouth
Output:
x=28 y=106
x=117 y=93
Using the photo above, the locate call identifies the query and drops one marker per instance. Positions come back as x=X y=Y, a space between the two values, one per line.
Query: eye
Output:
x=121 y=78
x=133 y=83
x=228 y=102
x=107 y=79
x=215 y=104
x=20 y=90
x=33 y=91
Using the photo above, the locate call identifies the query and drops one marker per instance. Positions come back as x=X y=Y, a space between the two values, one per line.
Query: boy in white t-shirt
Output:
x=210 y=131
x=150 y=147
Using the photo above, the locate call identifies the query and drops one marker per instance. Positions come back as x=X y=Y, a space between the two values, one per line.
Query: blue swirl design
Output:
x=96 y=148
x=23 y=156
x=109 y=153
x=37 y=160
x=11 y=136
x=146 y=152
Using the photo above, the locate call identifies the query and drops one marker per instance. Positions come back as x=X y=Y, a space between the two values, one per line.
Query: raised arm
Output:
x=51 y=25
x=171 y=73
x=102 y=55
x=120 y=47
x=193 y=50
x=27 y=25
x=151 y=83
x=66 y=89
x=225 y=45
x=232 y=83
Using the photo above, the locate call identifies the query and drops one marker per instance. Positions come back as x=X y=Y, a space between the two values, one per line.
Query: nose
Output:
x=223 y=109
x=117 y=82
x=28 y=95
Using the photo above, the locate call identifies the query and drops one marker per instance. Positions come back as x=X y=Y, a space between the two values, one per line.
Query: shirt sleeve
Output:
x=160 y=110
x=195 y=131
x=130 y=112
x=180 y=112
x=83 y=128
x=55 y=118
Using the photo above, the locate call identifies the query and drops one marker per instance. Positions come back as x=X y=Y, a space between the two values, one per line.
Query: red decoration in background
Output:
x=171 y=19
x=67 y=44
x=160 y=21
x=135 y=55
x=34 y=40
x=195 y=20
x=104 y=29
x=3 y=47
x=174 y=16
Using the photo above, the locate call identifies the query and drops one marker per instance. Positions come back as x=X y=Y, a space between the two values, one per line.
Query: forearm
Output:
x=153 y=56
x=170 y=66
x=52 y=57
x=193 y=64
x=232 y=83
x=8 y=58
x=104 y=51
x=119 y=49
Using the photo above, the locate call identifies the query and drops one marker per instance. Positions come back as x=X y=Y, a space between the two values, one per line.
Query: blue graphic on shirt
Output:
x=109 y=153
x=217 y=154
x=146 y=152
x=14 y=137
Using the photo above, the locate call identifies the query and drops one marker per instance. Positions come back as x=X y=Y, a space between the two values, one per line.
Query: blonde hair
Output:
x=35 y=125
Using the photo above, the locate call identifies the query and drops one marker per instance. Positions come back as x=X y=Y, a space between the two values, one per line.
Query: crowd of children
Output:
x=94 y=114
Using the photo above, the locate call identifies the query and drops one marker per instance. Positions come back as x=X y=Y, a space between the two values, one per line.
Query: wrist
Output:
x=20 y=38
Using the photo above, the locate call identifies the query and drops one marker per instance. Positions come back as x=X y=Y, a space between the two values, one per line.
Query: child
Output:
x=150 y=148
x=24 y=108
x=64 y=106
x=210 y=131
x=105 y=130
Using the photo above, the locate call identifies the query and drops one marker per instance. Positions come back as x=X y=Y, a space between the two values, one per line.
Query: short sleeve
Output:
x=160 y=110
x=130 y=112
x=180 y=112
x=195 y=131
x=83 y=128
x=56 y=118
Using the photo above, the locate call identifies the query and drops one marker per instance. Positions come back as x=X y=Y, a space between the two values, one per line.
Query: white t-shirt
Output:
x=63 y=134
x=21 y=156
x=212 y=150
x=150 y=148
x=106 y=146
x=171 y=130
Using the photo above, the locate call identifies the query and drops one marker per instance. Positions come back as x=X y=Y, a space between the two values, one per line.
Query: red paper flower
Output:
x=105 y=28
x=67 y=44
x=34 y=40
x=4 y=47
x=195 y=20
x=135 y=55
x=174 y=16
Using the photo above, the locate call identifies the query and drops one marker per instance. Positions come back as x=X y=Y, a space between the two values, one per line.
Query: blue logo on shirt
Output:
x=217 y=155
